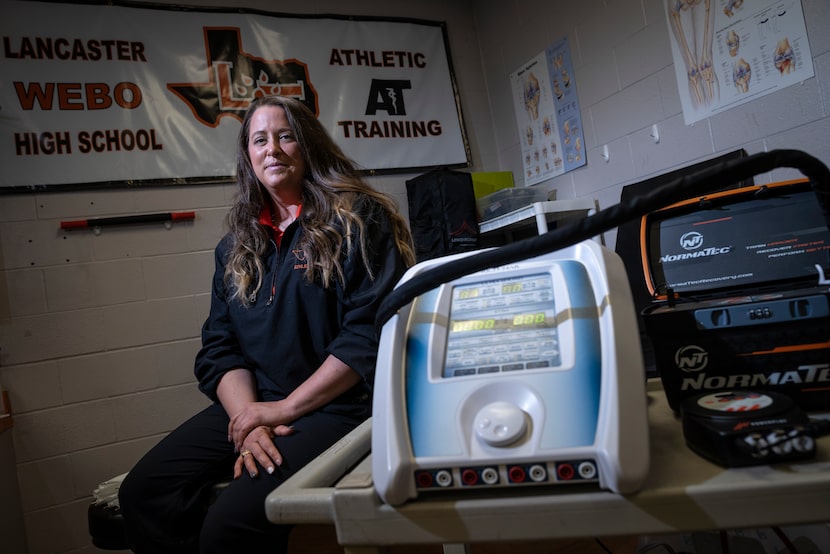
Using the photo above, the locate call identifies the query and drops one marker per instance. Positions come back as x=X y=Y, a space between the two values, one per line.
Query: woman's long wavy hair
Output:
x=333 y=211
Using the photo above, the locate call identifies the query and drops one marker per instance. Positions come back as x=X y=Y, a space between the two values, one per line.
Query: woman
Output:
x=288 y=350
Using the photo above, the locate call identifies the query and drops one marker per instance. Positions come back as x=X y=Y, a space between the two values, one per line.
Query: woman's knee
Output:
x=130 y=491
x=236 y=520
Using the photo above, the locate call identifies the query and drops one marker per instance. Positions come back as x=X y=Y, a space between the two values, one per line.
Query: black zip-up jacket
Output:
x=292 y=326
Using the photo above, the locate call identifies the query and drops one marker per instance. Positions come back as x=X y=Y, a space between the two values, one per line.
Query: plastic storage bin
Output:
x=508 y=200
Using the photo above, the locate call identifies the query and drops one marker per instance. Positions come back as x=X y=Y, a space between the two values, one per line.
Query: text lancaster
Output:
x=47 y=48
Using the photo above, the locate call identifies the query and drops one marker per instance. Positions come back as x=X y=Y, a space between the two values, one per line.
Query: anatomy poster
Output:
x=547 y=113
x=728 y=52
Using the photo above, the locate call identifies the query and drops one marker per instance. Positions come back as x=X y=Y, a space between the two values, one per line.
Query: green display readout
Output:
x=467 y=294
x=506 y=288
x=509 y=288
x=535 y=319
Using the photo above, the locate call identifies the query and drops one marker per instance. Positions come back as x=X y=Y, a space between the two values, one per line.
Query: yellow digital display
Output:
x=466 y=294
x=509 y=288
x=535 y=319
x=473 y=325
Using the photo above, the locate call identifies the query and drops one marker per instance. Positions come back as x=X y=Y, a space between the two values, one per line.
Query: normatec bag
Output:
x=442 y=213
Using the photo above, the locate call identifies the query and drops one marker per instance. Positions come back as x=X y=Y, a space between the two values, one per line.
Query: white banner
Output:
x=118 y=94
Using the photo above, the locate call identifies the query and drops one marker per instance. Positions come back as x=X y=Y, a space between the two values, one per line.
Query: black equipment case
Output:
x=740 y=296
x=442 y=213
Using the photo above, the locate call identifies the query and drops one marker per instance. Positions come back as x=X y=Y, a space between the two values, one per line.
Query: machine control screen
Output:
x=502 y=325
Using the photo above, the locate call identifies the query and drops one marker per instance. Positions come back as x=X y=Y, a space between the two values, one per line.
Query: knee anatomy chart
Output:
x=728 y=52
x=547 y=113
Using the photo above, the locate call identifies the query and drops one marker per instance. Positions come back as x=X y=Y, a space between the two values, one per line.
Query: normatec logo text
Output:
x=803 y=374
x=691 y=242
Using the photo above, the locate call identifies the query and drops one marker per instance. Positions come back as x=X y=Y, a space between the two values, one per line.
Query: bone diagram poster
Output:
x=728 y=52
x=547 y=113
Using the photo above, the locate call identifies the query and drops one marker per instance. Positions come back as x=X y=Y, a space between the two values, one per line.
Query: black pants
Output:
x=164 y=498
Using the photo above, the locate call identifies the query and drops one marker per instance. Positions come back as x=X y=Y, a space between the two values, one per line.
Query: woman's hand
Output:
x=253 y=415
x=254 y=424
x=258 y=447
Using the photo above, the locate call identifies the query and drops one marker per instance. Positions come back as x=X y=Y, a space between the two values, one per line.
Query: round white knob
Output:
x=500 y=423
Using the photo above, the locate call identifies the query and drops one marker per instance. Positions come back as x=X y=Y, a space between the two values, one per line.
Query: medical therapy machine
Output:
x=526 y=374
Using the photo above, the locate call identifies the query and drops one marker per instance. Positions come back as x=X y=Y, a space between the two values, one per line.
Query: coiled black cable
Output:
x=695 y=184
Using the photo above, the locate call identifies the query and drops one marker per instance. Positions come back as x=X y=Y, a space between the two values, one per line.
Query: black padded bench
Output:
x=106 y=524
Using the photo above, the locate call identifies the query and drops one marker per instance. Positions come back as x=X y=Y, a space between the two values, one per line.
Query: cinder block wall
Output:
x=98 y=333
x=98 y=337
x=625 y=81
